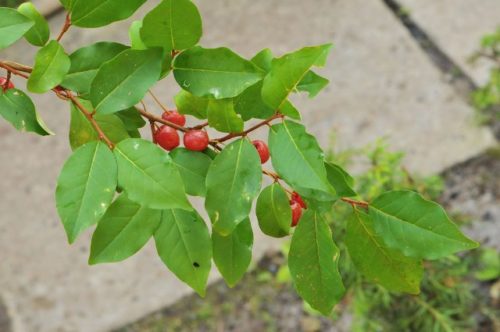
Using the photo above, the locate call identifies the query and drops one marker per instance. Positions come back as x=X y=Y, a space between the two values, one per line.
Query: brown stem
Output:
x=249 y=130
x=355 y=202
x=152 y=117
x=6 y=65
x=91 y=119
x=65 y=28
x=200 y=126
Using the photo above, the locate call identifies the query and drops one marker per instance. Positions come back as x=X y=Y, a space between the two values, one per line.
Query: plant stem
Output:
x=249 y=130
x=91 y=119
x=65 y=28
x=355 y=202
x=163 y=107
x=152 y=117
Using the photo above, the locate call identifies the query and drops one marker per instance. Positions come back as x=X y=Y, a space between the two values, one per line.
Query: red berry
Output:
x=167 y=137
x=196 y=140
x=262 y=149
x=297 y=198
x=3 y=80
x=296 y=213
x=174 y=117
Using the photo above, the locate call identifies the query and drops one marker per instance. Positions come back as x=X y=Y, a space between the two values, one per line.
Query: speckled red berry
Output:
x=5 y=87
x=296 y=213
x=174 y=117
x=196 y=140
x=297 y=198
x=167 y=137
x=262 y=149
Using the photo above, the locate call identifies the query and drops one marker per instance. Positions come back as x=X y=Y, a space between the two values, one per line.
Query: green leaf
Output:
x=250 y=105
x=190 y=104
x=216 y=72
x=134 y=33
x=222 y=117
x=298 y=159
x=51 y=65
x=124 y=230
x=417 y=227
x=273 y=211
x=85 y=188
x=131 y=118
x=233 y=181
x=377 y=262
x=82 y=132
x=288 y=109
x=340 y=180
x=66 y=4
x=148 y=175
x=123 y=81
x=13 y=26
x=39 y=34
x=312 y=83
x=86 y=61
x=172 y=25
x=193 y=167
x=263 y=59
x=489 y=265
x=313 y=262
x=288 y=70
x=183 y=243
x=18 y=109
x=233 y=253
x=98 y=13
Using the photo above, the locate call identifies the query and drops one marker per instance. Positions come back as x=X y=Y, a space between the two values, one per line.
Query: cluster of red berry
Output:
x=6 y=86
x=168 y=137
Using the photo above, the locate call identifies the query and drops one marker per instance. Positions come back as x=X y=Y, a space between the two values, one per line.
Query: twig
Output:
x=249 y=130
x=165 y=109
x=355 y=202
x=65 y=28
x=91 y=119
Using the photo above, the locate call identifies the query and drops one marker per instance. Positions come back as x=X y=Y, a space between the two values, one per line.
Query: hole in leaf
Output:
x=195 y=264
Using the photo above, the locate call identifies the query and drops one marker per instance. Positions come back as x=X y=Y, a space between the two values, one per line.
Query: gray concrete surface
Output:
x=382 y=85
x=457 y=26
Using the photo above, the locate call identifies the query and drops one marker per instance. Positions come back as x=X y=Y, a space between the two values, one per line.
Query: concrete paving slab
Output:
x=382 y=85
x=457 y=26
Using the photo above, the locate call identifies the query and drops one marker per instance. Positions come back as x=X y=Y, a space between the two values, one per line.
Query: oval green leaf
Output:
x=273 y=211
x=417 y=227
x=86 y=61
x=380 y=264
x=190 y=104
x=218 y=72
x=51 y=65
x=39 y=34
x=298 y=159
x=233 y=181
x=85 y=188
x=172 y=25
x=148 y=175
x=98 y=13
x=313 y=262
x=222 y=117
x=18 y=109
x=123 y=81
x=287 y=71
x=233 y=253
x=183 y=244
x=193 y=167
x=13 y=26
x=123 y=230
